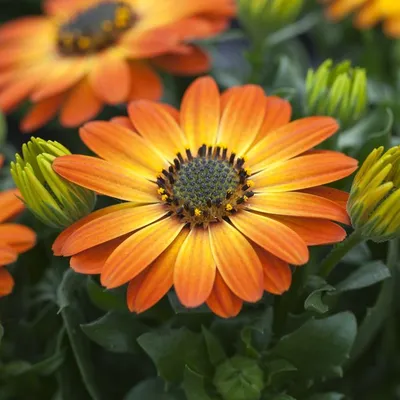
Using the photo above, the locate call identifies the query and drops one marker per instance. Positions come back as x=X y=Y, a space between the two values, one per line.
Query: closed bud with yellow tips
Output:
x=374 y=203
x=338 y=91
x=53 y=200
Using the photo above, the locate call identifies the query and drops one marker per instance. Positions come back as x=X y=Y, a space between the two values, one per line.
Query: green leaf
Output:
x=283 y=396
x=358 y=255
x=216 y=352
x=327 y=396
x=171 y=350
x=314 y=300
x=116 y=332
x=193 y=386
x=104 y=299
x=1 y=333
x=151 y=389
x=49 y=365
x=319 y=345
x=367 y=275
x=277 y=370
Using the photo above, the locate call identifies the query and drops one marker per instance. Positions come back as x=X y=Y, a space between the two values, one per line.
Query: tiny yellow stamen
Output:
x=197 y=212
x=245 y=198
x=250 y=183
x=228 y=207
x=84 y=42
x=248 y=171
x=161 y=191
x=164 y=197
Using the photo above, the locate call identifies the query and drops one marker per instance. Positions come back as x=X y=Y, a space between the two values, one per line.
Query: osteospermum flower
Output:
x=218 y=200
x=86 y=53
x=14 y=238
x=368 y=13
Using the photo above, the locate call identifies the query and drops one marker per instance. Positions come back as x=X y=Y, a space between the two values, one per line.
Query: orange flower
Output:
x=14 y=238
x=219 y=200
x=87 y=53
x=369 y=12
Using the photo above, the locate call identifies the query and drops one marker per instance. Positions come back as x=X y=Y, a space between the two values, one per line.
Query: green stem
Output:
x=377 y=315
x=338 y=253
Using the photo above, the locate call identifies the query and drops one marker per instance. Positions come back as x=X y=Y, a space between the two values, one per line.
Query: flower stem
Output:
x=338 y=253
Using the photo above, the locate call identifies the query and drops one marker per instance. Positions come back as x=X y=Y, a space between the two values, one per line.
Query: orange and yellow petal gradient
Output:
x=113 y=60
x=14 y=238
x=171 y=230
x=368 y=13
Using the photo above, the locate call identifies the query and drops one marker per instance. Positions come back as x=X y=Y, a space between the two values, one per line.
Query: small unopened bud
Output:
x=53 y=200
x=339 y=92
x=239 y=378
x=263 y=17
x=374 y=203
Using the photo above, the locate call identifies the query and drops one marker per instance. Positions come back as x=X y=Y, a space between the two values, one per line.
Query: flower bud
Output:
x=339 y=92
x=239 y=378
x=263 y=17
x=374 y=202
x=53 y=200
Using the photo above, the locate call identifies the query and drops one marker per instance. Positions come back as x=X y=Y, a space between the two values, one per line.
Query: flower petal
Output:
x=291 y=140
x=106 y=178
x=195 y=268
x=236 y=261
x=200 y=113
x=305 y=171
x=222 y=301
x=18 y=237
x=273 y=236
x=298 y=204
x=145 y=83
x=6 y=282
x=156 y=280
x=7 y=255
x=139 y=251
x=242 y=118
x=10 y=204
x=336 y=195
x=113 y=225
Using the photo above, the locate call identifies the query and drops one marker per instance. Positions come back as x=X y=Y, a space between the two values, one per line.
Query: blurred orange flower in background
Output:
x=14 y=238
x=84 y=54
x=368 y=13
x=219 y=199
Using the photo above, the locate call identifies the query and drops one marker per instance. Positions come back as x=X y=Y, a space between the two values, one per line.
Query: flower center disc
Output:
x=95 y=28
x=206 y=188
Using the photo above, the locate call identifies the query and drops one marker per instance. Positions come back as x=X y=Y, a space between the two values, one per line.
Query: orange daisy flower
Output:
x=14 y=238
x=369 y=12
x=218 y=200
x=87 y=53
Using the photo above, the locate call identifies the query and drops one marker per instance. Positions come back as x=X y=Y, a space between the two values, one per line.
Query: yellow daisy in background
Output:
x=218 y=200
x=368 y=13
x=84 y=54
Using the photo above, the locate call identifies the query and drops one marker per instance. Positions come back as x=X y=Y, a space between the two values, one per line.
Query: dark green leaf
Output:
x=193 y=386
x=116 y=332
x=314 y=300
x=327 y=396
x=152 y=389
x=319 y=345
x=358 y=255
x=104 y=299
x=1 y=333
x=215 y=350
x=278 y=368
x=283 y=396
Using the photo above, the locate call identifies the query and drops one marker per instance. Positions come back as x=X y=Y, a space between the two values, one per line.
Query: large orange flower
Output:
x=369 y=12
x=14 y=238
x=218 y=200
x=87 y=53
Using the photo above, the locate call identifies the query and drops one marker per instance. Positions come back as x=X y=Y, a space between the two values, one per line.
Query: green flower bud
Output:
x=53 y=200
x=374 y=203
x=263 y=17
x=239 y=378
x=339 y=92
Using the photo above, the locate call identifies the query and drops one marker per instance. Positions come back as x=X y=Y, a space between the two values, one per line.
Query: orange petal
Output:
x=110 y=79
x=123 y=121
x=277 y=273
x=139 y=251
x=41 y=113
x=111 y=226
x=18 y=237
x=81 y=105
x=122 y=146
x=236 y=261
x=194 y=281
x=298 y=204
x=200 y=113
x=10 y=204
x=368 y=16
x=158 y=127
x=242 y=118
x=22 y=27
x=273 y=236
x=194 y=62
x=336 y=195
x=145 y=83
x=222 y=301
x=291 y=140
x=340 y=8
x=314 y=231
x=391 y=26
x=106 y=178
x=92 y=261
x=305 y=171
x=7 y=255
x=64 y=235
x=6 y=282
x=154 y=282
